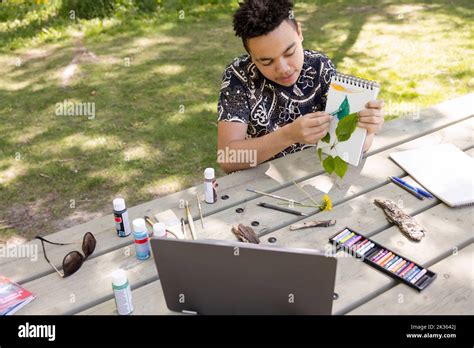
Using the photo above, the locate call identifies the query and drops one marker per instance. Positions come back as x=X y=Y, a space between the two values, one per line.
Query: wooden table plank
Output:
x=266 y=177
x=372 y=173
x=453 y=293
x=367 y=213
x=91 y=285
x=315 y=237
x=147 y=300
x=93 y=295
x=448 y=229
x=355 y=282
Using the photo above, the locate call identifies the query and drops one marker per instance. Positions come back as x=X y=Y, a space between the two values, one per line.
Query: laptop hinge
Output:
x=184 y=311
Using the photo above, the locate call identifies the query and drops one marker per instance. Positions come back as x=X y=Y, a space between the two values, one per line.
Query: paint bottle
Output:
x=142 y=242
x=122 y=292
x=159 y=230
x=210 y=185
x=122 y=223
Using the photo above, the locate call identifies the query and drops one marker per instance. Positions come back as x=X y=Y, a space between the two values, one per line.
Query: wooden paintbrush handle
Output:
x=308 y=224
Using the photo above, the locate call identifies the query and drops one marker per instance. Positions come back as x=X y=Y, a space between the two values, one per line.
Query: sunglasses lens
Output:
x=88 y=245
x=72 y=262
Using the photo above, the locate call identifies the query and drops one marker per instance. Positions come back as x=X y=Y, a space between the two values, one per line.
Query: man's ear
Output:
x=300 y=32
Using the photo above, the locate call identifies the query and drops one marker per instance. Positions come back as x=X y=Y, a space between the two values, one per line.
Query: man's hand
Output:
x=309 y=128
x=371 y=118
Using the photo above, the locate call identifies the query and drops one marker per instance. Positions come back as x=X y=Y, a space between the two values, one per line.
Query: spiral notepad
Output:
x=348 y=94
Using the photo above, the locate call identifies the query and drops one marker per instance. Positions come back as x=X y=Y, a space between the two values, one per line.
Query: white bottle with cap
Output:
x=122 y=223
x=159 y=230
x=122 y=292
x=142 y=241
x=210 y=184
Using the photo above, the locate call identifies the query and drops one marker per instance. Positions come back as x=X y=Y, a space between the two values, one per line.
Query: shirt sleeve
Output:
x=328 y=70
x=233 y=104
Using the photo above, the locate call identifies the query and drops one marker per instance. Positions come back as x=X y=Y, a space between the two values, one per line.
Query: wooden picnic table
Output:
x=447 y=247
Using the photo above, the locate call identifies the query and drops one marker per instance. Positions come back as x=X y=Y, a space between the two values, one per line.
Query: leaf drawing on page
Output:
x=346 y=126
x=343 y=109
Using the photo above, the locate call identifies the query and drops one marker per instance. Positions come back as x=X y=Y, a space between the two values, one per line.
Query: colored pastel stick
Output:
x=364 y=248
x=395 y=259
x=420 y=281
x=418 y=276
x=386 y=257
x=395 y=264
x=372 y=253
x=360 y=245
x=350 y=240
x=402 y=268
x=367 y=250
x=413 y=274
x=387 y=260
x=346 y=238
x=378 y=254
x=385 y=252
x=359 y=250
x=341 y=234
x=353 y=240
x=410 y=272
x=400 y=265
x=370 y=246
x=405 y=271
x=356 y=244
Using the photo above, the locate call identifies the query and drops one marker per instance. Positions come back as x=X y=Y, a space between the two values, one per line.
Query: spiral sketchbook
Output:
x=444 y=170
x=348 y=94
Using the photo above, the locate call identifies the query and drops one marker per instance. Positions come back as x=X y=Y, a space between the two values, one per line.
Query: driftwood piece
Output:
x=407 y=224
x=308 y=224
x=245 y=234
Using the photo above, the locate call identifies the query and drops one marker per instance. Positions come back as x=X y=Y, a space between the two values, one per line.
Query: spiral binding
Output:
x=463 y=204
x=356 y=81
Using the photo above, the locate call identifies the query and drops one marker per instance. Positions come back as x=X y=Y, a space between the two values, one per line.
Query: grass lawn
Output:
x=155 y=81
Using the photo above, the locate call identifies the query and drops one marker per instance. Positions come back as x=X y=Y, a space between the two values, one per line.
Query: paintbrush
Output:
x=273 y=196
x=308 y=224
x=200 y=210
x=183 y=228
x=190 y=221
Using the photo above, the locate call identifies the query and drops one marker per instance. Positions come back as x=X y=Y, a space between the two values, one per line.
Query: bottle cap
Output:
x=119 y=277
x=119 y=204
x=159 y=229
x=209 y=173
x=139 y=225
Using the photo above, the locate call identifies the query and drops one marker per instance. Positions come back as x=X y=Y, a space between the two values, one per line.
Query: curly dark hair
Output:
x=259 y=17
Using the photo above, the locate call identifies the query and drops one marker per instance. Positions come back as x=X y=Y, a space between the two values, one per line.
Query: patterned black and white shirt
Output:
x=246 y=96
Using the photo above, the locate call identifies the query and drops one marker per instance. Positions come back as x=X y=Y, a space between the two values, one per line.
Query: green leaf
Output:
x=320 y=154
x=346 y=127
x=327 y=138
x=340 y=167
x=343 y=110
x=328 y=164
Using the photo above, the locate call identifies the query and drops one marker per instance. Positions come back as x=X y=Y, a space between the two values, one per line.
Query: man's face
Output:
x=279 y=55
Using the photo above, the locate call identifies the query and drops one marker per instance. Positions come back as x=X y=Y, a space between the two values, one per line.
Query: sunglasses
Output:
x=73 y=260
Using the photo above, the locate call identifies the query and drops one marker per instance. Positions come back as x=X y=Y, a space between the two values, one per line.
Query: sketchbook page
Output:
x=344 y=98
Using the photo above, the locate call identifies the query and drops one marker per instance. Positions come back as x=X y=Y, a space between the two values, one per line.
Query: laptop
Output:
x=216 y=277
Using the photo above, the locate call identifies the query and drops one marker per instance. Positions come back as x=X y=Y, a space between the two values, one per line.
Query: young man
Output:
x=272 y=100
